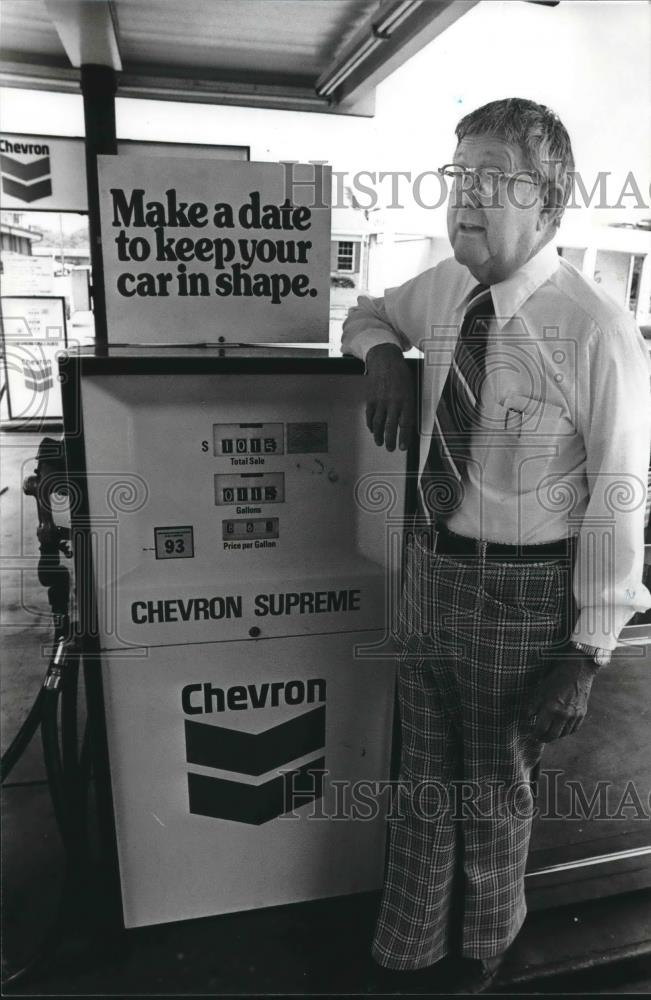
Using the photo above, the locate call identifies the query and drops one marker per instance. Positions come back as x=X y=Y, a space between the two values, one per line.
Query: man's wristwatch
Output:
x=600 y=656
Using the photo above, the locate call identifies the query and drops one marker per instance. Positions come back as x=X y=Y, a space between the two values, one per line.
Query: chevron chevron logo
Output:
x=26 y=181
x=256 y=754
x=38 y=375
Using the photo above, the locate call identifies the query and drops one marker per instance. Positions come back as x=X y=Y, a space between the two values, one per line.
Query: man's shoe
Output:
x=478 y=974
x=432 y=979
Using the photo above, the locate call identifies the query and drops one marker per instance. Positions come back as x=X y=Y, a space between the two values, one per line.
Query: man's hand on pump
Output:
x=560 y=703
x=390 y=406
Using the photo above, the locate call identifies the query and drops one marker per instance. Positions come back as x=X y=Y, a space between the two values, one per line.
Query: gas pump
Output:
x=238 y=521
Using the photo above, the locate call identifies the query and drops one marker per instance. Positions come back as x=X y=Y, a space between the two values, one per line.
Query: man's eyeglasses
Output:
x=486 y=180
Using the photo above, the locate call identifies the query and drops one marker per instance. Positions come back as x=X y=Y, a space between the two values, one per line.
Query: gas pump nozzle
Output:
x=50 y=477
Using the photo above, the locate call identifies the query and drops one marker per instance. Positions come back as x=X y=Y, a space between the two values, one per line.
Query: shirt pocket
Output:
x=527 y=417
x=521 y=442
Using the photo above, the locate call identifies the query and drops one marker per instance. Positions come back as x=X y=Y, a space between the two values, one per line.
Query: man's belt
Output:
x=444 y=542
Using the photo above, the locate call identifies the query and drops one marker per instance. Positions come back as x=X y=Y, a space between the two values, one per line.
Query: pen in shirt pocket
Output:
x=513 y=420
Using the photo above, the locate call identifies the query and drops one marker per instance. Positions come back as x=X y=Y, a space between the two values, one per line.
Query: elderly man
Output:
x=534 y=442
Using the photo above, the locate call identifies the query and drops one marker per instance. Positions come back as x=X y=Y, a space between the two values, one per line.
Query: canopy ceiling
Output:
x=321 y=55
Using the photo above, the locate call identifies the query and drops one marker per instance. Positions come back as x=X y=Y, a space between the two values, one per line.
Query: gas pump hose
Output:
x=68 y=776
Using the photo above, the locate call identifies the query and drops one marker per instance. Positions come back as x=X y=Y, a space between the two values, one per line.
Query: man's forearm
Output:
x=613 y=415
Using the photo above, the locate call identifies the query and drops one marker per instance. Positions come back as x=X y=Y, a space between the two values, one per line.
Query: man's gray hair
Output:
x=541 y=136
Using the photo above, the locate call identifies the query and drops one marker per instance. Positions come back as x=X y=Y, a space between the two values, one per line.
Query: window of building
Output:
x=346 y=255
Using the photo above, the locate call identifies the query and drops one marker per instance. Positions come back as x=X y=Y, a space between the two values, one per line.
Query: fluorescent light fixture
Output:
x=380 y=30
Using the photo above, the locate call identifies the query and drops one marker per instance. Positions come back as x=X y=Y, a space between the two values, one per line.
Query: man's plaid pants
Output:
x=475 y=636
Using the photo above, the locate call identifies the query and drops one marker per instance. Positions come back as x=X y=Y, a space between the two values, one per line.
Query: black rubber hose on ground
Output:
x=19 y=744
x=65 y=774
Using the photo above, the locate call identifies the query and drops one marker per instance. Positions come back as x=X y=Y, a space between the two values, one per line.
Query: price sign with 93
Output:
x=174 y=543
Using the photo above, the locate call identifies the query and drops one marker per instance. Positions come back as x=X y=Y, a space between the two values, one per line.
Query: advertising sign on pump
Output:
x=199 y=250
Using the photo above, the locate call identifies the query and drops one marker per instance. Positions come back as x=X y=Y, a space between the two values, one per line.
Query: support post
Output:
x=98 y=87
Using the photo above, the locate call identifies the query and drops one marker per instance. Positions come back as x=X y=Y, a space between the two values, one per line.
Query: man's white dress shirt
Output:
x=566 y=419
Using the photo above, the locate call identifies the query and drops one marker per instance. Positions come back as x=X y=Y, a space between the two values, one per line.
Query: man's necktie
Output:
x=440 y=489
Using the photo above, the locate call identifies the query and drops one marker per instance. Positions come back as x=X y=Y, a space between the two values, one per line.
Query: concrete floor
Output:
x=599 y=946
